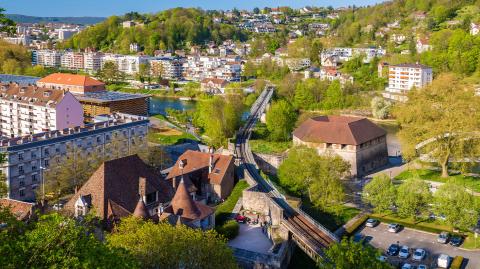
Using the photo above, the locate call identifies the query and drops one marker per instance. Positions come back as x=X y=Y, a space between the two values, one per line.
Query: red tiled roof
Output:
x=71 y=79
x=21 y=210
x=196 y=160
x=338 y=130
x=31 y=94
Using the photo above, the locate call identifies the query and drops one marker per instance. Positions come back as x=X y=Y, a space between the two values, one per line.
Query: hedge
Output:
x=418 y=226
x=352 y=228
x=457 y=262
x=229 y=230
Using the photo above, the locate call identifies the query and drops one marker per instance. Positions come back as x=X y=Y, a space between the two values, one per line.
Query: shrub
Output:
x=229 y=230
x=457 y=262
x=351 y=228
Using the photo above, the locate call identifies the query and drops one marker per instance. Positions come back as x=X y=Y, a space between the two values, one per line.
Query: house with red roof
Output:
x=209 y=176
x=23 y=211
x=357 y=140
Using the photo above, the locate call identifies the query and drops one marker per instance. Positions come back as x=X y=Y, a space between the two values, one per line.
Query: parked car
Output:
x=419 y=254
x=443 y=261
x=358 y=237
x=456 y=241
x=422 y=266
x=404 y=252
x=371 y=223
x=393 y=250
x=408 y=266
x=443 y=238
x=393 y=227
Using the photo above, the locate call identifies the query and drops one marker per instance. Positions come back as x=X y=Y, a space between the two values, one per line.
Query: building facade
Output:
x=29 y=156
x=26 y=110
x=403 y=77
x=357 y=140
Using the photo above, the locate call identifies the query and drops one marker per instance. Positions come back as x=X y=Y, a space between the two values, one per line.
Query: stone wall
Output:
x=269 y=163
x=254 y=200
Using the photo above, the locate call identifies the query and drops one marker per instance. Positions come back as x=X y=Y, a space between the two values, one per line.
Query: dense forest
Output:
x=170 y=29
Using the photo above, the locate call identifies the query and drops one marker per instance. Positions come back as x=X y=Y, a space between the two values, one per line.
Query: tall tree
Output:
x=304 y=172
x=281 y=119
x=6 y=24
x=413 y=197
x=459 y=207
x=437 y=113
x=349 y=254
x=380 y=193
x=165 y=246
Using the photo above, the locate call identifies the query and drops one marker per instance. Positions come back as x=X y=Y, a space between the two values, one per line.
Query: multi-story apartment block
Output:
x=66 y=33
x=403 y=77
x=346 y=54
x=27 y=110
x=166 y=67
x=199 y=67
x=72 y=60
x=92 y=61
x=129 y=64
x=47 y=58
x=29 y=156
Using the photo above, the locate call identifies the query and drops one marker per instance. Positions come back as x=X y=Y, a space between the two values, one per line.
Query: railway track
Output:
x=311 y=234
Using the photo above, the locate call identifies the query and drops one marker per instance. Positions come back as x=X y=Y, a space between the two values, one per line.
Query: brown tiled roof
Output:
x=114 y=187
x=21 y=210
x=71 y=79
x=217 y=81
x=196 y=160
x=338 y=130
x=31 y=94
x=141 y=210
x=184 y=206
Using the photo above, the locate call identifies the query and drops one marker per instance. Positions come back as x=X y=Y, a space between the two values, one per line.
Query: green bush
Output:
x=457 y=262
x=351 y=228
x=229 y=230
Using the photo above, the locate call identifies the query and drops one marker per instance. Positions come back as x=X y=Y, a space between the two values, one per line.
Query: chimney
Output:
x=182 y=163
x=210 y=164
x=142 y=187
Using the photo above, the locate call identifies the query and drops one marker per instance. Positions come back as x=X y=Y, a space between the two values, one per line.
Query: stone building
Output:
x=357 y=140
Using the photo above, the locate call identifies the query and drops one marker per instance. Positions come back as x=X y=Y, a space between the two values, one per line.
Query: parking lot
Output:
x=380 y=238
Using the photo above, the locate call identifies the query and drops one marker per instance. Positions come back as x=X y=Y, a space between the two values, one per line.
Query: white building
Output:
x=92 y=61
x=66 y=33
x=30 y=109
x=200 y=67
x=129 y=64
x=49 y=58
x=474 y=28
x=422 y=45
x=72 y=60
x=18 y=40
x=166 y=67
x=403 y=77
x=28 y=156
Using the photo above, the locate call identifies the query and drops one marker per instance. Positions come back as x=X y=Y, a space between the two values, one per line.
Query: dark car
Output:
x=393 y=250
x=456 y=241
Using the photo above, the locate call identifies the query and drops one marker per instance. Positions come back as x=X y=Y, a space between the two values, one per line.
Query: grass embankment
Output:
x=223 y=210
x=260 y=143
x=470 y=182
x=428 y=225
x=166 y=135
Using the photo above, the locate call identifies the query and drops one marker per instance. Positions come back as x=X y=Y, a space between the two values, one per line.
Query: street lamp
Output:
x=43 y=182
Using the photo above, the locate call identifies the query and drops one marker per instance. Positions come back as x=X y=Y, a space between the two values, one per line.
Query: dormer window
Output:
x=182 y=163
x=47 y=93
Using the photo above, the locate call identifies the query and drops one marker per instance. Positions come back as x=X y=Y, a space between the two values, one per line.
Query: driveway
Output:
x=380 y=238
x=251 y=238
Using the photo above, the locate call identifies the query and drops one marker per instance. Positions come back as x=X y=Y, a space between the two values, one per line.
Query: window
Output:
x=47 y=152
x=20 y=170
x=22 y=192
x=21 y=183
x=46 y=163
x=151 y=197
x=79 y=211
x=34 y=178
x=20 y=156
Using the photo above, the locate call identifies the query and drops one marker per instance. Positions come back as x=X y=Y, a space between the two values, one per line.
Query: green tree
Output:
x=165 y=246
x=380 y=193
x=437 y=112
x=380 y=107
x=457 y=205
x=144 y=73
x=56 y=241
x=304 y=172
x=110 y=73
x=349 y=254
x=413 y=196
x=281 y=119
x=334 y=97
x=6 y=24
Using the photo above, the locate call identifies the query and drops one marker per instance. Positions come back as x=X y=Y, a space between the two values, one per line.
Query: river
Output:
x=159 y=105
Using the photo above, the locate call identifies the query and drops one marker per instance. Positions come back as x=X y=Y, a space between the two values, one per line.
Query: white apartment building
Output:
x=403 y=77
x=18 y=40
x=92 y=61
x=166 y=67
x=72 y=60
x=346 y=54
x=200 y=67
x=50 y=58
x=130 y=64
x=26 y=110
x=29 y=156
x=66 y=33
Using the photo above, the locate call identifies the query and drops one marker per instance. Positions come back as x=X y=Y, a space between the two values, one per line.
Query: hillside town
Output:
x=275 y=137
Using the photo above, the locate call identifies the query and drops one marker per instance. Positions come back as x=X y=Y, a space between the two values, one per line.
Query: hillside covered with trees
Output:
x=170 y=29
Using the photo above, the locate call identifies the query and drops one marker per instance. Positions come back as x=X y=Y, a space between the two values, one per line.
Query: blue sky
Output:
x=61 y=8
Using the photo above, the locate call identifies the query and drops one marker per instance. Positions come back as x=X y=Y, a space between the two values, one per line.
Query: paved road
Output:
x=381 y=238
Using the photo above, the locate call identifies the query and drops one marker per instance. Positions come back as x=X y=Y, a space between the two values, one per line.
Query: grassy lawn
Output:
x=169 y=139
x=223 y=210
x=261 y=144
x=472 y=183
x=331 y=221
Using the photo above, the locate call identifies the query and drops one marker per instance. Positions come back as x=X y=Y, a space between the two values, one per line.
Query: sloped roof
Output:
x=338 y=130
x=141 y=210
x=196 y=160
x=21 y=210
x=71 y=79
x=114 y=187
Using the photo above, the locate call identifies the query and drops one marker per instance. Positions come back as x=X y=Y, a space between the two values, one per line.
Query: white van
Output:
x=443 y=261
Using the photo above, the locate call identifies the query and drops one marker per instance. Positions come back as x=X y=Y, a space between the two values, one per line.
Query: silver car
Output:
x=443 y=238
x=393 y=227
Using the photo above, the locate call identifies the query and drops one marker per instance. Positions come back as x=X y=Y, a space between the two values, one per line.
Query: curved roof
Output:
x=338 y=130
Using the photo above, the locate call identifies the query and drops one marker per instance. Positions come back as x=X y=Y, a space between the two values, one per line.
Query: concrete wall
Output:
x=268 y=163
x=261 y=203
